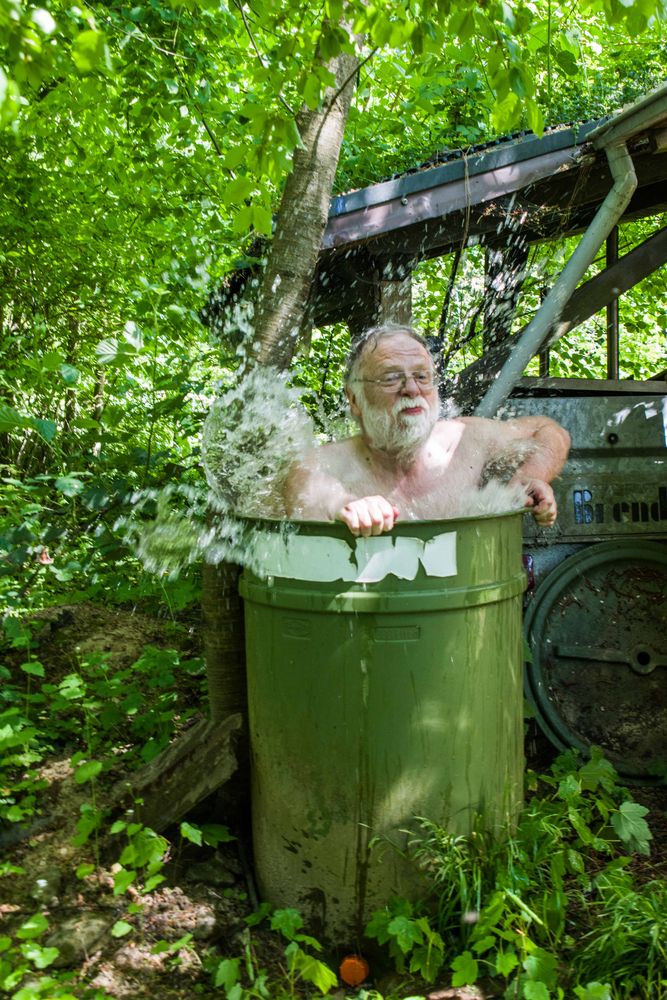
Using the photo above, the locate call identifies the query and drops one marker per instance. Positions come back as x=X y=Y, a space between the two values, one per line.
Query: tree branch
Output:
x=248 y=29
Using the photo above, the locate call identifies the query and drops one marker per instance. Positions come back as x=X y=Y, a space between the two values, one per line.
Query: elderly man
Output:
x=408 y=463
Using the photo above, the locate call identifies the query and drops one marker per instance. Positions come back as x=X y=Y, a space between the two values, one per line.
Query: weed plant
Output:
x=550 y=910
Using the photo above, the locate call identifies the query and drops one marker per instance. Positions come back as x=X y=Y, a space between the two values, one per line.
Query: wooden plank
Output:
x=597 y=293
x=586 y=386
x=471 y=384
x=507 y=153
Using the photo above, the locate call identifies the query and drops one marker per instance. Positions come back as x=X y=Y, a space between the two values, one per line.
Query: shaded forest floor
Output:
x=167 y=943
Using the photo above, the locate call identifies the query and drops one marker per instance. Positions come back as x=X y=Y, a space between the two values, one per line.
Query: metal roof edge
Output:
x=644 y=113
x=514 y=151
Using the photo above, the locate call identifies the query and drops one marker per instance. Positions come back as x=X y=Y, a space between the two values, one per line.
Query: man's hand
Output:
x=368 y=516
x=540 y=498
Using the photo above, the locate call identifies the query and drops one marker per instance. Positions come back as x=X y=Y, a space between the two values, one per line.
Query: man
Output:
x=407 y=463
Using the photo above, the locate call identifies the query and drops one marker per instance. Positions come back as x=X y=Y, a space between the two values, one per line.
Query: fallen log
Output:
x=195 y=766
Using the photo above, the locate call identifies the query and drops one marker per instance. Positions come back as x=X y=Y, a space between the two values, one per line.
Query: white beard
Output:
x=399 y=436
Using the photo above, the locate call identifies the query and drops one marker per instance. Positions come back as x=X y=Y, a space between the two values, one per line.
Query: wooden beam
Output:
x=612 y=309
x=471 y=384
x=595 y=294
x=423 y=206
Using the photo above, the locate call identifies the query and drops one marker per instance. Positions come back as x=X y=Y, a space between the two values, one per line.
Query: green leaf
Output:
x=484 y=944
x=87 y=771
x=534 y=990
x=262 y=220
x=313 y=971
x=593 y=991
x=47 y=429
x=597 y=772
x=216 y=833
x=121 y=928
x=311 y=92
x=465 y=969
x=329 y=44
x=90 y=52
x=242 y=220
x=534 y=116
x=462 y=24
x=70 y=374
x=122 y=879
x=51 y=361
x=541 y=966
x=520 y=82
x=85 y=869
x=33 y=667
x=191 y=833
x=567 y=62
x=506 y=963
x=153 y=882
x=506 y=113
x=427 y=959
x=69 y=485
x=33 y=927
x=287 y=921
x=11 y=419
x=237 y=190
x=406 y=932
x=112 y=351
x=89 y=821
x=40 y=957
x=630 y=825
x=260 y=914
x=227 y=973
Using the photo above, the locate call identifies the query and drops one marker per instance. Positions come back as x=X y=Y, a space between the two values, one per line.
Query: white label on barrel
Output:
x=439 y=557
x=299 y=557
x=364 y=560
x=380 y=556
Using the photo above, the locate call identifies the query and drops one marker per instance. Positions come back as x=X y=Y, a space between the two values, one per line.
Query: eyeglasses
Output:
x=393 y=381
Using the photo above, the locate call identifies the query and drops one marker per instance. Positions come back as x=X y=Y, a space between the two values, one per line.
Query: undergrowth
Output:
x=550 y=911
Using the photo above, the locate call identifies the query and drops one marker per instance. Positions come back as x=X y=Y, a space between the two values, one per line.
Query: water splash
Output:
x=252 y=435
x=492 y=498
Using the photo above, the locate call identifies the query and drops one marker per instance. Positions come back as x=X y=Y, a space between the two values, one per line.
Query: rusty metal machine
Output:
x=596 y=621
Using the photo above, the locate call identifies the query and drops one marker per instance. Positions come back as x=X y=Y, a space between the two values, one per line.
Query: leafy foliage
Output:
x=503 y=907
x=143 y=146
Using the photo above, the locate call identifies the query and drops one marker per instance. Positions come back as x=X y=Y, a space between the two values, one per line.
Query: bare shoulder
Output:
x=478 y=428
x=330 y=457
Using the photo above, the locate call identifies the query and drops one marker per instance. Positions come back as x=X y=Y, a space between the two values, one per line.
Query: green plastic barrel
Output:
x=384 y=684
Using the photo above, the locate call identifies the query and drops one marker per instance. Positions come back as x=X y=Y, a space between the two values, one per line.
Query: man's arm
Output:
x=544 y=446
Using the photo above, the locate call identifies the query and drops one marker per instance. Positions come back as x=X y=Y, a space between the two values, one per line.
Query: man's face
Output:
x=399 y=418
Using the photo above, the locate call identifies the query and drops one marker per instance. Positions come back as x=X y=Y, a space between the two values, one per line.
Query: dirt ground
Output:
x=184 y=927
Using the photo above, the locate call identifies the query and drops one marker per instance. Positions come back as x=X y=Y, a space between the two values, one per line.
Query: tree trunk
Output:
x=281 y=315
x=282 y=306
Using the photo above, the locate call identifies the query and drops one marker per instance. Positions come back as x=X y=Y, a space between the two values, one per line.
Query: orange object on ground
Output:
x=353 y=970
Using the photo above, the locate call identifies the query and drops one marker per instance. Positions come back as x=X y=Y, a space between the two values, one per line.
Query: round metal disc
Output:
x=597 y=629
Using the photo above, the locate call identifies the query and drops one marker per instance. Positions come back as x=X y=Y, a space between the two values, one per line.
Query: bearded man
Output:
x=408 y=463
